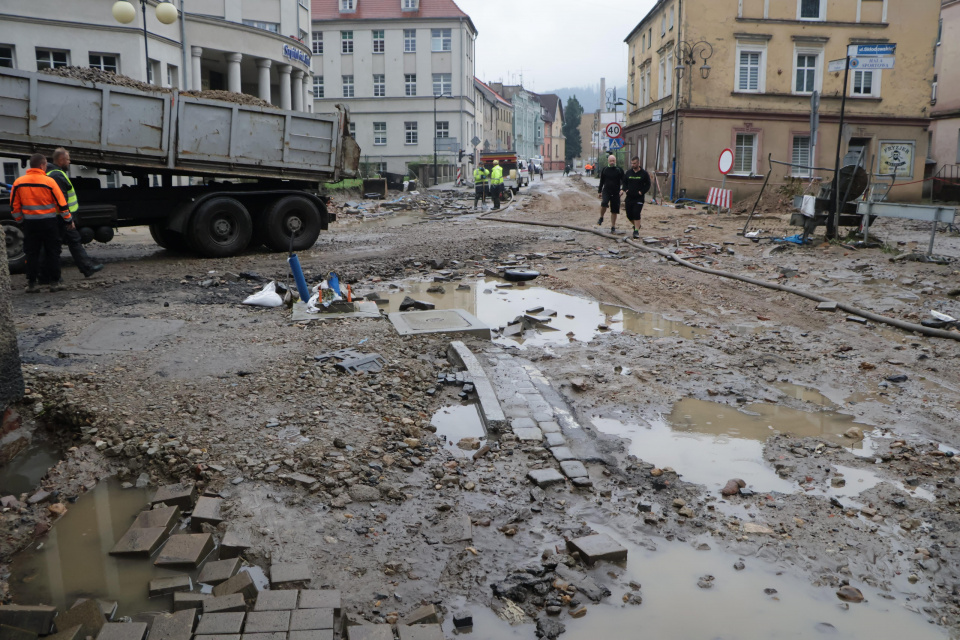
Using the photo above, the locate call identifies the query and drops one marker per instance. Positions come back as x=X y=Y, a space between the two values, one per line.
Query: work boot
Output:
x=613 y=229
x=33 y=287
x=58 y=286
x=92 y=270
x=600 y=222
x=636 y=234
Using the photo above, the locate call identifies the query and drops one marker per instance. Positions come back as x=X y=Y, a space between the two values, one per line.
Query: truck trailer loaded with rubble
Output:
x=259 y=168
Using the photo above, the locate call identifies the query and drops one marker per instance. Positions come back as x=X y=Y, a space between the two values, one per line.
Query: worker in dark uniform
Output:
x=69 y=233
x=636 y=183
x=611 y=179
x=37 y=201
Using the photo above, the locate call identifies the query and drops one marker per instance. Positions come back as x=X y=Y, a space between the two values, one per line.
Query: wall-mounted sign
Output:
x=896 y=158
x=296 y=54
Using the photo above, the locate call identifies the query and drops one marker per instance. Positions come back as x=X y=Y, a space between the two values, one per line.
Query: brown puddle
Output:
x=456 y=422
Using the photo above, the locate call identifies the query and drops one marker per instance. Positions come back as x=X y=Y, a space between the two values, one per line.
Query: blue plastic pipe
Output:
x=297 y=272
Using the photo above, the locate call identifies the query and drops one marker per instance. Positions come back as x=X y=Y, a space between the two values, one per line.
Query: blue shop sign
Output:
x=296 y=54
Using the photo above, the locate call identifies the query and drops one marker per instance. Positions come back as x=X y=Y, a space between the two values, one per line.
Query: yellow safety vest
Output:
x=480 y=175
x=497 y=175
x=70 y=195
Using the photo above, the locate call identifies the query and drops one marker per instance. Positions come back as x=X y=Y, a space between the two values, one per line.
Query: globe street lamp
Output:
x=125 y=13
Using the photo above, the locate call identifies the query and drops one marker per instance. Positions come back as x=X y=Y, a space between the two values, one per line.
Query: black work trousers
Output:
x=495 y=194
x=71 y=237
x=480 y=193
x=42 y=236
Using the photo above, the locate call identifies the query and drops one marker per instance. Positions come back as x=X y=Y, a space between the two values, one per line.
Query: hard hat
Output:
x=496 y=162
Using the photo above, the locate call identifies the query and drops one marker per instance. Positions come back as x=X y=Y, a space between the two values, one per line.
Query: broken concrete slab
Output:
x=121 y=335
x=289 y=573
x=173 y=626
x=166 y=517
x=170 y=584
x=598 y=547
x=187 y=549
x=218 y=571
x=183 y=600
x=224 y=604
x=220 y=623
x=370 y=632
x=827 y=306
x=490 y=410
x=421 y=632
x=309 y=619
x=562 y=453
x=427 y=614
x=267 y=621
x=313 y=634
x=274 y=635
x=13 y=633
x=181 y=495
x=545 y=477
x=573 y=469
x=140 y=541
x=584 y=583
x=277 y=600
x=532 y=434
x=409 y=323
x=207 y=511
x=320 y=599
x=240 y=583
x=233 y=544
x=108 y=607
x=361 y=309
x=88 y=614
x=36 y=618
x=73 y=633
x=123 y=631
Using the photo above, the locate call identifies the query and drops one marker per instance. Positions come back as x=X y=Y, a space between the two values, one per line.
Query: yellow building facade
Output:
x=740 y=74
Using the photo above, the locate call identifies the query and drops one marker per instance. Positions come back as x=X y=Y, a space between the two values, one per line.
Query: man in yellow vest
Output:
x=496 y=183
x=480 y=177
x=69 y=234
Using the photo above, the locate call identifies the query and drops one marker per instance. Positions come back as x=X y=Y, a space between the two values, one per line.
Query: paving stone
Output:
x=462 y=619
x=421 y=632
x=123 y=631
x=233 y=544
x=224 y=604
x=13 y=633
x=276 y=635
x=189 y=600
x=549 y=426
x=108 y=607
x=555 y=440
x=427 y=614
x=562 y=453
x=309 y=619
x=88 y=614
x=370 y=632
x=598 y=547
x=37 y=618
x=166 y=517
x=240 y=583
x=170 y=584
x=277 y=600
x=73 y=633
x=289 y=572
x=220 y=623
x=516 y=411
x=827 y=306
x=207 y=511
x=185 y=549
x=573 y=469
x=532 y=434
x=139 y=541
x=267 y=621
x=320 y=599
x=225 y=636
x=219 y=570
x=180 y=495
x=545 y=477
x=543 y=416
x=582 y=482
x=314 y=634
x=173 y=626
x=522 y=423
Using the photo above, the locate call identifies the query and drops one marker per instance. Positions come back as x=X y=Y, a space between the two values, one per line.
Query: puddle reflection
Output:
x=458 y=422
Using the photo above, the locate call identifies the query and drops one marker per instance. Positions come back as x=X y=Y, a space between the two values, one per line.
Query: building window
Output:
x=10 y=172
x=660 y=78
x=347 y=86
x=865 y=83
x=745 y=154
x=112 y=182
x=442 y=84
x=671 y=18
x=380 y=167
x=643 y=42
x=379 y=85
x=379 y=133
x=750 y=70
x=668 y=76
x=939 y=31
x=443 y=130
x=442 y=39
x=317 y=43
x=663 y=25
x=378 y=41
x=104 y=62
x=173 y=76
x=811 y=9
x=6 y=57
x=410 y=133
x=346 y=5
x=409 y=40
x=806 y=74
x=352 y=129
x=50 y=59
x=272 y=27
x=409 y=5
x=317 y=86
x=346 y=42
x=410 y=84
x=801 y=157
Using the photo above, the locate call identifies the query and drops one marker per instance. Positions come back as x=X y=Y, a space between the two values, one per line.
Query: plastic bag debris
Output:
x=266 y=297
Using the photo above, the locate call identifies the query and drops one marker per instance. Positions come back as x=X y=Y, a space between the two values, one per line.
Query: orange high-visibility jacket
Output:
x=37 y=196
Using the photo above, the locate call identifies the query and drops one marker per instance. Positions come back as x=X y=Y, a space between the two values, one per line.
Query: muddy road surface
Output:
x=766 y=469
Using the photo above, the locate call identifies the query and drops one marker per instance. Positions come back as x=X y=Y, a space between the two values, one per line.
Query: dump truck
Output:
x=513 y=175
x=210 y=176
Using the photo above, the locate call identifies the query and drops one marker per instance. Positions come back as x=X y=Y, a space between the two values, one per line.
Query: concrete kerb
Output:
x=490 y=410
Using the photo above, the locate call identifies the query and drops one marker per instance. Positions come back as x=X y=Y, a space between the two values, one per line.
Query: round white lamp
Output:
x=167 y=13
x=123 y=12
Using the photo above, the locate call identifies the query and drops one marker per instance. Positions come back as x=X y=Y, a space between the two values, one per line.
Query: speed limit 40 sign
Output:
x=614 y=130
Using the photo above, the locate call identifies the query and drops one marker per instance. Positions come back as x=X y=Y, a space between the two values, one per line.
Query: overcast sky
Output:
x=554 y=43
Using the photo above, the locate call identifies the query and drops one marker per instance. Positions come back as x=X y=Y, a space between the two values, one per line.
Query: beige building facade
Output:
x=945 y=144
x=749 y=69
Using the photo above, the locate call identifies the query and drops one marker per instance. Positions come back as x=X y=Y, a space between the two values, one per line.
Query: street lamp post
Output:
x=124 y=13
x=435 y=98
x=687 y=54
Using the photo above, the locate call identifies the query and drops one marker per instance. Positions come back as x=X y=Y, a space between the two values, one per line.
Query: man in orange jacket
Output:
x=37 y=201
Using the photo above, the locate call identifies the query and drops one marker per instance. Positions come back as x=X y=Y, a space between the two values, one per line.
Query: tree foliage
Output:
x=572 y=114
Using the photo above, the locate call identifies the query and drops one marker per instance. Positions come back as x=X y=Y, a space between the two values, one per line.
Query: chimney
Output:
x=603 y=94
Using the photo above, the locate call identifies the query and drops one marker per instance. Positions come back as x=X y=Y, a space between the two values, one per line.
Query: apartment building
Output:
x=404 y=69
x=497 y=118
x=527 y=123
x=740 y=74
x=554 y=147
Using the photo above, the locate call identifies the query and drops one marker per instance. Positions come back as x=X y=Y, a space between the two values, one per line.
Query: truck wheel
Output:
x=291 y=216
x=16 y=256
x=220 y=227
x=169 y=240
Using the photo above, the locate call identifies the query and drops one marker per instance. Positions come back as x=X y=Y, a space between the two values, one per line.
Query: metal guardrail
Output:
x=934 y=214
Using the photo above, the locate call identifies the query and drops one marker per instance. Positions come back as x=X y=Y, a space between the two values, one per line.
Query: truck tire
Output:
x=169 y=240
x=220 y=227
x=16 y=256
x=289 y=215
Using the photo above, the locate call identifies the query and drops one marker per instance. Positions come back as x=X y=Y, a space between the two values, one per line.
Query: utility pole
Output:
x=835 y=218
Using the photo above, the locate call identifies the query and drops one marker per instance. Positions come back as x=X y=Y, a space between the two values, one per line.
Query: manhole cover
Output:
x=438 y=321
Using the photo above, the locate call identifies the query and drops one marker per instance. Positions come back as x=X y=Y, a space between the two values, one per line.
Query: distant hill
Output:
x=588 y=96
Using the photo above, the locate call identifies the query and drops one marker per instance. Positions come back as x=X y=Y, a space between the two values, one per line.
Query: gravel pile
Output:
x=229 y=96
x=87 y=74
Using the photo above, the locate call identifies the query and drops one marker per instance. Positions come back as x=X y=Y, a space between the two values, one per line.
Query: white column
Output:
x=297 y=90
x=263 y=90
x=195 y=83
x=233 y=72
x=284 y=70
x=308 y=91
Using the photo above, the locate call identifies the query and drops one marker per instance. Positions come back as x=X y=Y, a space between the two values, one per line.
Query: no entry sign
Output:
x=726 y=161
